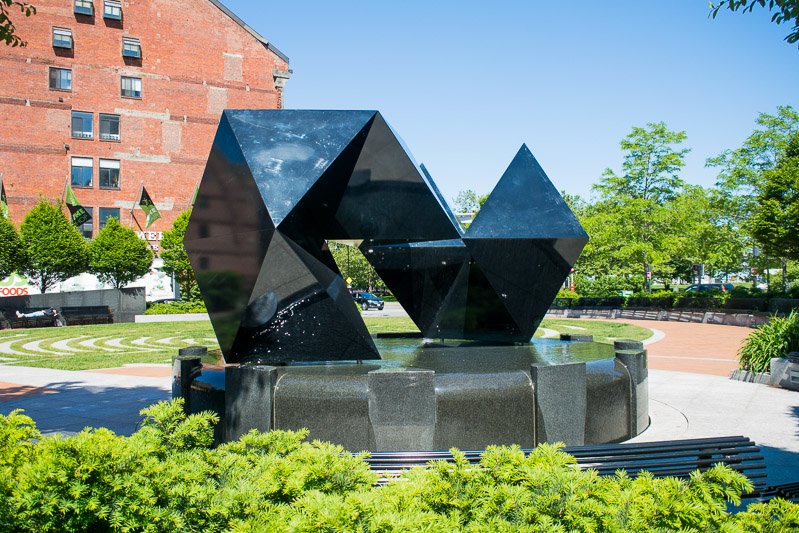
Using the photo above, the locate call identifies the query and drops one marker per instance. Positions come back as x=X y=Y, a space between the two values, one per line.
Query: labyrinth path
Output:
x=20 y=345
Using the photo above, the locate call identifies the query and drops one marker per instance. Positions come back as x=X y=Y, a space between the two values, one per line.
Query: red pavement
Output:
x=697 y=348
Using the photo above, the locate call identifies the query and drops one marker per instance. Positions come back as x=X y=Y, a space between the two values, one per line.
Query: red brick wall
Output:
x=196 y=61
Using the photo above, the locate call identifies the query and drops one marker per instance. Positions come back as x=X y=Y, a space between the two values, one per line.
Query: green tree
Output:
x=352 y=263
x=7 y=29
x=117 y=256
x=782 y=11
x=775 y=220
x=12 y=252
x=176 y=260
x=631 y=216
x=742 y=170
x=55 y=249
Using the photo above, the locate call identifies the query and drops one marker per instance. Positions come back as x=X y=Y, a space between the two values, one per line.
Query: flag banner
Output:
x=79 y=215
x=3 y=201
x=147 y=205
x=194 y=198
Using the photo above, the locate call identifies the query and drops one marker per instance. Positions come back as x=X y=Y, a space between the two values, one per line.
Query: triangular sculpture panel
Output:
x=279 y=184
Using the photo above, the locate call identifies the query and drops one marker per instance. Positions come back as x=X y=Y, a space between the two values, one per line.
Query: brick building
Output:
x=112 y=95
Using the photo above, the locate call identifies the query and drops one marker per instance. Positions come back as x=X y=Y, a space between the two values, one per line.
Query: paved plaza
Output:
x=690 y=395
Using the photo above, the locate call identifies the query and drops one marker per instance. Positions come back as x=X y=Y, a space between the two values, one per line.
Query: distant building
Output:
x=111 y=95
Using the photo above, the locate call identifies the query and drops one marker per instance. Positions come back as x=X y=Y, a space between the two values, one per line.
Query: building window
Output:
x=62 y=38
x=131 y=47
x=82 y=171
x=106 y=213
x=112 y=10
x=82 y=125
x=109 y=127
x=109 y=174
x=84 y=7
x=131 y=87
x=87 y=228
x=60 y=79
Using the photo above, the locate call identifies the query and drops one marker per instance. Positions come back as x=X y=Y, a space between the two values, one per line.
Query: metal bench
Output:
x=677 y=458
x=81 y=316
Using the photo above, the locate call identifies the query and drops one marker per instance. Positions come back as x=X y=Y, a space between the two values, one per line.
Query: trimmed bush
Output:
x=167 y=477
x=776 y=338
x=176 y=308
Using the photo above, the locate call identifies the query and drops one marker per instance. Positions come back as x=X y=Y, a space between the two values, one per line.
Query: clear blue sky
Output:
x=465 y=83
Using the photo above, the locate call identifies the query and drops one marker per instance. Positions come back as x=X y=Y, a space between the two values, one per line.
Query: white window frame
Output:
x=112 y=9
x=84 y=162
x=131 y=47
x=135 y=82
x=65 y=34
x=83 y=134
x=58 y=78
x=109 y=164
x=109 y=136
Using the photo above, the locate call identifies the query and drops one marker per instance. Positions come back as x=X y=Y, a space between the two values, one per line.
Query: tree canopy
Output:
x=8 y=32
x=12 y=252
x=781 y=11
x=117 y=255
x=55 y=249
x=176 y=260
x=775 y=220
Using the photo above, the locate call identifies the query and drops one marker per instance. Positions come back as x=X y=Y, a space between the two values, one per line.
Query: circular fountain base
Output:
x=438 y=396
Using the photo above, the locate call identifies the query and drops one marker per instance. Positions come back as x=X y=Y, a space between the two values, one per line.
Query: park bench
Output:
x=9 y=319
x=80 y=316
x=677 y=458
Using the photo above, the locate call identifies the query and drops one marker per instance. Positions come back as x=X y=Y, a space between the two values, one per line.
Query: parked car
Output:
x=710 y=287
x=367 y=300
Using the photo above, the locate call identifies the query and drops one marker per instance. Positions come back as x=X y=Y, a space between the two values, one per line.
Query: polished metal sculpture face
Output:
x=279 y=184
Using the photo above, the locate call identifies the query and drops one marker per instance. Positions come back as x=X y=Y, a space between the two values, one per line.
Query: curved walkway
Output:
x=692 y=347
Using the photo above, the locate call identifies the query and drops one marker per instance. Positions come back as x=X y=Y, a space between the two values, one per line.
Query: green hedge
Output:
x=176 y=308
x=167 y=477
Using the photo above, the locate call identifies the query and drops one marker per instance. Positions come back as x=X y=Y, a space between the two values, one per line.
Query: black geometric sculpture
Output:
x=279 y=184
x=496 y=282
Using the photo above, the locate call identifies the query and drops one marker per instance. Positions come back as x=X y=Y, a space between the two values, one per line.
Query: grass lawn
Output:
x=114 y=345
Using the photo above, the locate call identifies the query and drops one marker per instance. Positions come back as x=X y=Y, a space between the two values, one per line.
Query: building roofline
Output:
x=251 y=31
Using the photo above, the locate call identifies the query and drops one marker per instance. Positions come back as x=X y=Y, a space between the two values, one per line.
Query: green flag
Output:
x=194 y=198
x=147 y=205
x=77 y=212
x=3 y=201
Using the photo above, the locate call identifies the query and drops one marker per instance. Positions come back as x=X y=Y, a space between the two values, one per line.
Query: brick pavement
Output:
x=695 y=348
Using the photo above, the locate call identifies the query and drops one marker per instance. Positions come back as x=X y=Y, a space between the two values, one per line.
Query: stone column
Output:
x=248 y=399
x=402 y=409
x=560 y=403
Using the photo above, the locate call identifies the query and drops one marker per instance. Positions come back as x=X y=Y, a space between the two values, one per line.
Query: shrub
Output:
x=54 y=248
x=12 y=253
x=565 y=293
x=776 y=338
x=176 y=308
x=167 y=477
x=118 y=256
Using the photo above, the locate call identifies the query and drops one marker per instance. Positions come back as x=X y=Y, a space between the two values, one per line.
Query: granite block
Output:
x=248 y=399
x=332 y=402
x=785 y=373
x=560 y=403
x=475 y=410
x=402 y=408
x=607 y=414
